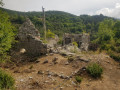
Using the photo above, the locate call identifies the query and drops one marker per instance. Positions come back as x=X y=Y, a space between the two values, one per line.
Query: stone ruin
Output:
x=29 y=39
x=81 y=39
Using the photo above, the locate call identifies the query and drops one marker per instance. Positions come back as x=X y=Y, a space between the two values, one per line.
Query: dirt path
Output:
x=51 y=74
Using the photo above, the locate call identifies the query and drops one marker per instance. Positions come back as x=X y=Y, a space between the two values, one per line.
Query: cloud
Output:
x=76 y=7
x=112 y=12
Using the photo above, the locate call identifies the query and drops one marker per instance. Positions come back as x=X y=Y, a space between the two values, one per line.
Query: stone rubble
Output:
x=46 y=61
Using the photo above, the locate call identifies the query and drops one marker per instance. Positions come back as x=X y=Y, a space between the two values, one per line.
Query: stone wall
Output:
x=33 y=46
x=28 y=29
x=29 y=39
x=81 y=39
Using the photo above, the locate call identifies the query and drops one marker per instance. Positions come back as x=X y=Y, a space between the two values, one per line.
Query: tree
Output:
x=6 y=34
x=105 y=31
x=117 y=29
x=50 y=34
x=105 y=35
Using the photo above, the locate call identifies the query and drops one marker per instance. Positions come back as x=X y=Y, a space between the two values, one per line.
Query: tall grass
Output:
x=6 y=81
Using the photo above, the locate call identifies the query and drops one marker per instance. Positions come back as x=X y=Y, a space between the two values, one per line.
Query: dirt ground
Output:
x=43 y=75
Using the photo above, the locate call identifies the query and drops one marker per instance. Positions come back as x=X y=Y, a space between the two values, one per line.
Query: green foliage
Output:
x=60 y=22
x=118 y=42
x=117 y=29
x=74 y=49
x=60 y=41
x=49 y=34
x=7 y=33
x=106 y=37
x=78 y=79
x=107 y=47
x=75 y=43
x=70 y=59
x=4 y=57
x=118 y=49
x=95 y=70
x=105 y=33
x=6 y=81
x=115 y=56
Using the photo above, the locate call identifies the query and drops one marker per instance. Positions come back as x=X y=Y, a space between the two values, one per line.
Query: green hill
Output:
x=58 y=22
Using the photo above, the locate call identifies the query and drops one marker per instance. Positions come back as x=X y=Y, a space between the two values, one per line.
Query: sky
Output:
x=92 y=7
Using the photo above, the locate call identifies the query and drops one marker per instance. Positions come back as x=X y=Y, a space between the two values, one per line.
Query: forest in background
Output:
x=59 y=22
x=104 y=31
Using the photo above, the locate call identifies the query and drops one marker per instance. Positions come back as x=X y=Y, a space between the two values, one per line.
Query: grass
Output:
x=95 y=70
x=6 y=81
x=70 y=59
x=114 y=55
x=78 y=79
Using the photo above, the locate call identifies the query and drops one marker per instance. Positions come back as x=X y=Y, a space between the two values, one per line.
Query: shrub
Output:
x=107 y=47
x=7 y=35
x=118 y=49
x=70 y=59
x=6 y=80
x=60 y=42
x=115 y=56
x=74 y=49
x=78 y=79
x=75 y=43
x=118 y=42
x=95 y=70
x=4 y=58
x=50 y=34
x=93 y=46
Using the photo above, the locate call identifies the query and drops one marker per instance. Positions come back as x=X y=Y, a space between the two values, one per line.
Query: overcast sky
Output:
x=77 y=7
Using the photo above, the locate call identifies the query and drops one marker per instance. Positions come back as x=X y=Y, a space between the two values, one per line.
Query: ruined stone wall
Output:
x=33 y=46
x=29 y=39
x=82 y=40
x=85 y=42
x=28 y=29
x=67 y=38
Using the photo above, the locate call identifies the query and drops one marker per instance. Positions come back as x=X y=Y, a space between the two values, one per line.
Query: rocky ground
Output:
x=56 y=72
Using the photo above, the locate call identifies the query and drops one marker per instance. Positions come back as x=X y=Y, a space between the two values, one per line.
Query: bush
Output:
x=4 y=58
x=70 y=59
x=95 y=70
x=60 y=42
x=75 y=44
x=107 y=47
x=50 y=34
x=118 y=49
x=115 y=56
x=93 y=46
x=78 y=79
x=6 y=80
x=7 y=35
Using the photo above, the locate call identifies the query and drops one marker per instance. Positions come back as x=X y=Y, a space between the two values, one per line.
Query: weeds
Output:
x=6 y=81
x=78 y=79
x=95 y=70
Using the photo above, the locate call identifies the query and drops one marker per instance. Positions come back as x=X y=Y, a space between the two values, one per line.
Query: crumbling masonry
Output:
x=29 y=39
x=81 y=39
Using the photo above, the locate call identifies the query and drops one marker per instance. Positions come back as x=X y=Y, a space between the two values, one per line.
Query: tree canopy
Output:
x=7 y=33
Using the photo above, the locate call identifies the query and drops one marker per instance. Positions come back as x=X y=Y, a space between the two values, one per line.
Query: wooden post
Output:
x=44 y=25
